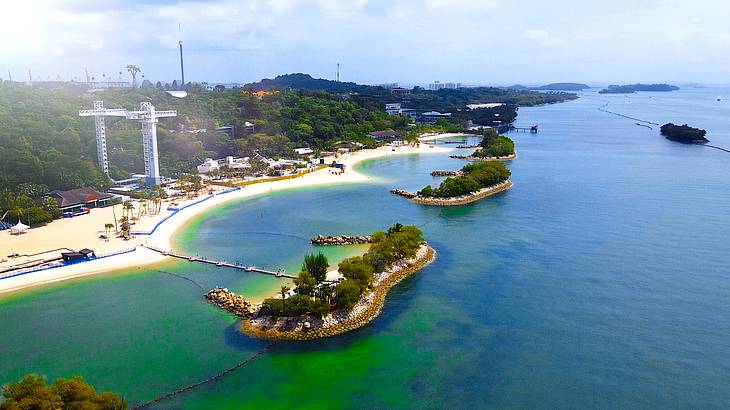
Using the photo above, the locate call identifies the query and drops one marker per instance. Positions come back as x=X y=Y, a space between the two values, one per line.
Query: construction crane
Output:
x=148 y=118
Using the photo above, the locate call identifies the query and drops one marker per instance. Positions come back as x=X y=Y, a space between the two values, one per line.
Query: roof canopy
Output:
x=19 y=228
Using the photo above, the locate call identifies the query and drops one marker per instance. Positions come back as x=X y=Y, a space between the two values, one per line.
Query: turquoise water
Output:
x=599 y=280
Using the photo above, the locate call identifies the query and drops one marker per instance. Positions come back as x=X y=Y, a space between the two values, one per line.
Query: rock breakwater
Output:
x=439 y=173
x=341 y=240
x=403 y=193
x=464 y=199
x=231 y=302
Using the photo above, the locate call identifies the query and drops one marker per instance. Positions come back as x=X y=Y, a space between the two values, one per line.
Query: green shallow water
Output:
x=599 y=280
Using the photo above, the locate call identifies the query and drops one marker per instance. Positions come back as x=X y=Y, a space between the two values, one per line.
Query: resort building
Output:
x=408 y=112
x=431 y=117
x=75 y=199
x=303 y=152
x=400 y=92
x=384 y=135
x=437 y=85
x=392 y=108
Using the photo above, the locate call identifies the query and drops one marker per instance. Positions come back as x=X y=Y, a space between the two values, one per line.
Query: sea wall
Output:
x=341 y=240
x=464 y=199
x=439 y=173
x=470 y=158
x=403 y=193
x=367 y=309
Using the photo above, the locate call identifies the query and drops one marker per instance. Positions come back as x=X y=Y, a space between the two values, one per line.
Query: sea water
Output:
x=600 y=280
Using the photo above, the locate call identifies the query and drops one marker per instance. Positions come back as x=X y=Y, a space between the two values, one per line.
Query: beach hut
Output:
x=19 y=228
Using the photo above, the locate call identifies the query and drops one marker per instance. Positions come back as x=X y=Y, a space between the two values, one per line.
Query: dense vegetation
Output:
x=33 y=393
x=494 y=145
x=632 y=88
x=564 y=87
x=316 y=296
x=475 y=177
x=684 y=133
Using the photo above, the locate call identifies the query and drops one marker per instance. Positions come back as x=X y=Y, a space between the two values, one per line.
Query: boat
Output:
x=719 y=98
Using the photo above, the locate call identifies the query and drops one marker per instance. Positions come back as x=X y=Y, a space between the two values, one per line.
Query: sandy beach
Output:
x=84 y=231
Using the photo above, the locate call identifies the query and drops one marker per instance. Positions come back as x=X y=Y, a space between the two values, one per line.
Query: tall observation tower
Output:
x=148 y=118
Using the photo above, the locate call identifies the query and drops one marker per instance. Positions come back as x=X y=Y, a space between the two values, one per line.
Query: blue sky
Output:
x=411 y=41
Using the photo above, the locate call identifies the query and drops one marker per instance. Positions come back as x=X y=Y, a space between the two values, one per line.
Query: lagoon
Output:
x=599 y=280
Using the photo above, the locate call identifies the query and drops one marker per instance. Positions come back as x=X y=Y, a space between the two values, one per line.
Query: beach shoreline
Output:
x=57 y=235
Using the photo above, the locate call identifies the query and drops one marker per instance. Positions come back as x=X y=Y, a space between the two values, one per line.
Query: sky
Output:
x=412 y=42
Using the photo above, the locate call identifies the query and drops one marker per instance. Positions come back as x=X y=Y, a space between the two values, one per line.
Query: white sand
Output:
x=81 y=232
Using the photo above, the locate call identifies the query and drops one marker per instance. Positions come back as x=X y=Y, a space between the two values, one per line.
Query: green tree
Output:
x=347 y=293
x=358 y=270
x=305 y=283
x=317 y=266
x=33 y=393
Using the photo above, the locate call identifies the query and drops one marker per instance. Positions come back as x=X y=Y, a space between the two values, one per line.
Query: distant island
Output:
x=552 y=87
x=632 y=88
x=684 y=134
x=564 y=87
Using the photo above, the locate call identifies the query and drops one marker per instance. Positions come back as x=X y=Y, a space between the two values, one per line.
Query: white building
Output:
x=392 y=108
x=303 y=151
x=437 y=85
x=208 y=165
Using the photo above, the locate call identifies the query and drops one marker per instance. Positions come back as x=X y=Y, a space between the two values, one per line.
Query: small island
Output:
x=326 y=303
x=563 y=87
x=493 y=147
x=684 y=134
x=474 y=182
x=632 y=88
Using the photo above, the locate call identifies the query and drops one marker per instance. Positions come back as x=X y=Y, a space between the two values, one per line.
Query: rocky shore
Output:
x=231 y=302
x=471 y=158
x=341 y=240
x=439 y=173
x=454 y=201
x=367 y=309
x=403 y=193
x=464 y=199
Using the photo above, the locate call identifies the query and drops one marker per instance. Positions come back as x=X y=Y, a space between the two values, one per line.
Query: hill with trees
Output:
x=632 y=88
x=564 y=87
x=494 y=145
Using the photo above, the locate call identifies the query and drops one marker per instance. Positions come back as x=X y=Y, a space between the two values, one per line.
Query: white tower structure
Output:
x=147 y=117
x=99 y=112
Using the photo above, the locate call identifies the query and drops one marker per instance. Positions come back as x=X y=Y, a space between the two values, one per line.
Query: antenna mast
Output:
x=338 y=72
x=182 y=66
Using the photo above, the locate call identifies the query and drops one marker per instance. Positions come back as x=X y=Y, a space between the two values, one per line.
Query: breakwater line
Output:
x=211 y=379
x=716 y=147
x=177 y=275
x=606 y=103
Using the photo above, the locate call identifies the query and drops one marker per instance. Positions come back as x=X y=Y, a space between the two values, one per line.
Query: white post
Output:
x=148 y=121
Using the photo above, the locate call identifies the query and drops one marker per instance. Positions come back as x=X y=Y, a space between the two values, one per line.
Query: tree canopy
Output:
x=33 y=393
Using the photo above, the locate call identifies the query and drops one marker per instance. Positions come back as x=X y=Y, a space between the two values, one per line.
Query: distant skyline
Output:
x=474 y=42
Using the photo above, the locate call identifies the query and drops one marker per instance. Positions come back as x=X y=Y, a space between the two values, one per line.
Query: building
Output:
x=75 y=199
x=208 y=166
x=384 y=135
x=229 y=130
x=303 y=151
x=392 y=108
x=437 y=85
x=431 y=117
x=408 y=112
x=400 y=92
x=485 y=105
x=248 y=127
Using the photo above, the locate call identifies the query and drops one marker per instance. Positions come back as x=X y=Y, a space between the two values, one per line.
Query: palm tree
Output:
x=128 y=207
x=284 y=289
x=108 y=227
x=133 y=69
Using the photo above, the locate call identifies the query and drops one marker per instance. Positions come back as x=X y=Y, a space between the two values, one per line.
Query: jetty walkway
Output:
x=223 y=264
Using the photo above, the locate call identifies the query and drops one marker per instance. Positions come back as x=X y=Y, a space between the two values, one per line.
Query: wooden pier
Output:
x=222 y=264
